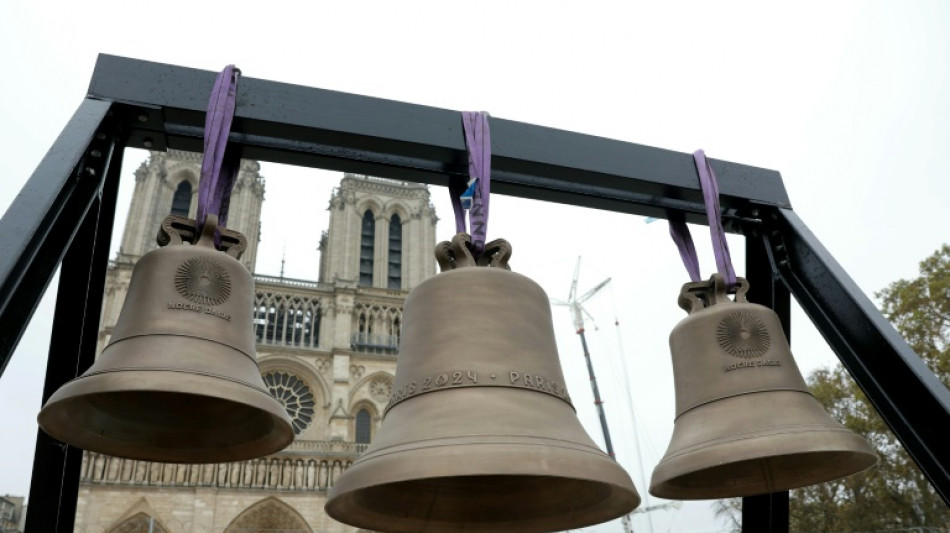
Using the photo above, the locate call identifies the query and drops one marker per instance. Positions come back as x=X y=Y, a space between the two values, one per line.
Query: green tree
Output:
x=894 y=495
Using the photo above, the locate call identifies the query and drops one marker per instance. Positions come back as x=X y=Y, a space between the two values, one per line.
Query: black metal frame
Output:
x=64 y=214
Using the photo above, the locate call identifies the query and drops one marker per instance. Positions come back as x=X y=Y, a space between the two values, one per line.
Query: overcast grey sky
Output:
x=848 y=100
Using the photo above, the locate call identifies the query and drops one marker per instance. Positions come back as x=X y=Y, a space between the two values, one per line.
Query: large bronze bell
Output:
x=746 y=423
x=480 y=433
x=179 y=380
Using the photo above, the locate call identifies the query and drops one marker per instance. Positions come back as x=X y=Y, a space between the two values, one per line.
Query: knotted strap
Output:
x=680 y=232
x=219 y=166
x=473 y=196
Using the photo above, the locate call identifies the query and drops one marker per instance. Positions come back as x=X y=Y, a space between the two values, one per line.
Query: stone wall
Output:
x=118 y=509
x=119 y=495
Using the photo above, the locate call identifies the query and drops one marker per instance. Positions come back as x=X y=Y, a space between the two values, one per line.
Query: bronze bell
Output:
x=179 y=380
x=480 y=433
x=746 y=423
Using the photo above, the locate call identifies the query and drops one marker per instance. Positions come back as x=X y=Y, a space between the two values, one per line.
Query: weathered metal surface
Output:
x=179 y=380
x=746 y=423
x=480 y=434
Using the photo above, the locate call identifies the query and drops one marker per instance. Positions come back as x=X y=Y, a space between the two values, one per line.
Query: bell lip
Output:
x=620 y=502
x=402 y=466
x=780 y=446
x=57 y=420
x=619 y=499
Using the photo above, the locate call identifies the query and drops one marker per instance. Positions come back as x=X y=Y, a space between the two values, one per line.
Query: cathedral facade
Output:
x=326 y=350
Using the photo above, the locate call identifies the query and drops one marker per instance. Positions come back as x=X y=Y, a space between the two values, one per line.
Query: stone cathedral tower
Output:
x=168 y=183
x=326 y=348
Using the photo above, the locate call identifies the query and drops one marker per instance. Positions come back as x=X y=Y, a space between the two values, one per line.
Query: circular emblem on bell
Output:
x=742 y=334
x=203 y=281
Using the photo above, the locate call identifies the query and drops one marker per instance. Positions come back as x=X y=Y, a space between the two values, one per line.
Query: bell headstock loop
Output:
x=496 y=254
x=699 y=295
x=176 y=229
x=457 y=253
x=741 y=289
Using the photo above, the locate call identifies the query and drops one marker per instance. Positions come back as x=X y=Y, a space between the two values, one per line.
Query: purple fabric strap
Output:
x=680 y=232
x=217 y=170
x=478 y=143
x=684 y=242
x=707 y=180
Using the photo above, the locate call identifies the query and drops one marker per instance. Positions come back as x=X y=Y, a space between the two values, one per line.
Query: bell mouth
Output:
x=483 y=503
x=167 y=416
x=763 y=475
x=783 y=440
x=531 y=469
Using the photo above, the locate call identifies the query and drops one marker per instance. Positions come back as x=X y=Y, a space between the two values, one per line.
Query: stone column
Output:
x=381 y=252
x=326 y=335
x=342 y=318
x=339 y=416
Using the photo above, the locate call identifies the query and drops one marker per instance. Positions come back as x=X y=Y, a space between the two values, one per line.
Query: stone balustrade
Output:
x=290 y=473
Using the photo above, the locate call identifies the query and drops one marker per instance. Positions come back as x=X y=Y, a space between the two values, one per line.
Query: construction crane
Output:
x=574 y=303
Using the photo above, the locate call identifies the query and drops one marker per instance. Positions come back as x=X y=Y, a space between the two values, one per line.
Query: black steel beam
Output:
x=305 y=126
x=904 y=391
x=41 y=222
x=765 y=513
x=56 y=466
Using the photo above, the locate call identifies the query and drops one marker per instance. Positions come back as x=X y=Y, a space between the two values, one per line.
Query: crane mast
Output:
x=577 y=315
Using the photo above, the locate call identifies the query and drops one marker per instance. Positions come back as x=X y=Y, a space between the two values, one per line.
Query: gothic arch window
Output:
x=364 y=426
x=376 y=328
x=294 y=395
x=395 y=253
x=367 y=238
x=181 y=202
x=287 y=320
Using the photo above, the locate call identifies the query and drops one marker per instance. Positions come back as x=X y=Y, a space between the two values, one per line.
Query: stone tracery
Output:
x=269 y=515
x=294 y=395
x=139 y=523
x=287 y=319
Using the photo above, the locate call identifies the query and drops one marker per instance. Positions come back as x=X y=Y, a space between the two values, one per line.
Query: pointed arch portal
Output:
x=270 y=515
x=62 y=221
x=139 y=523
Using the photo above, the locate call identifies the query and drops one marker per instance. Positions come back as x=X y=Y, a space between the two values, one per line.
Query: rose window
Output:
x=294 y=395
